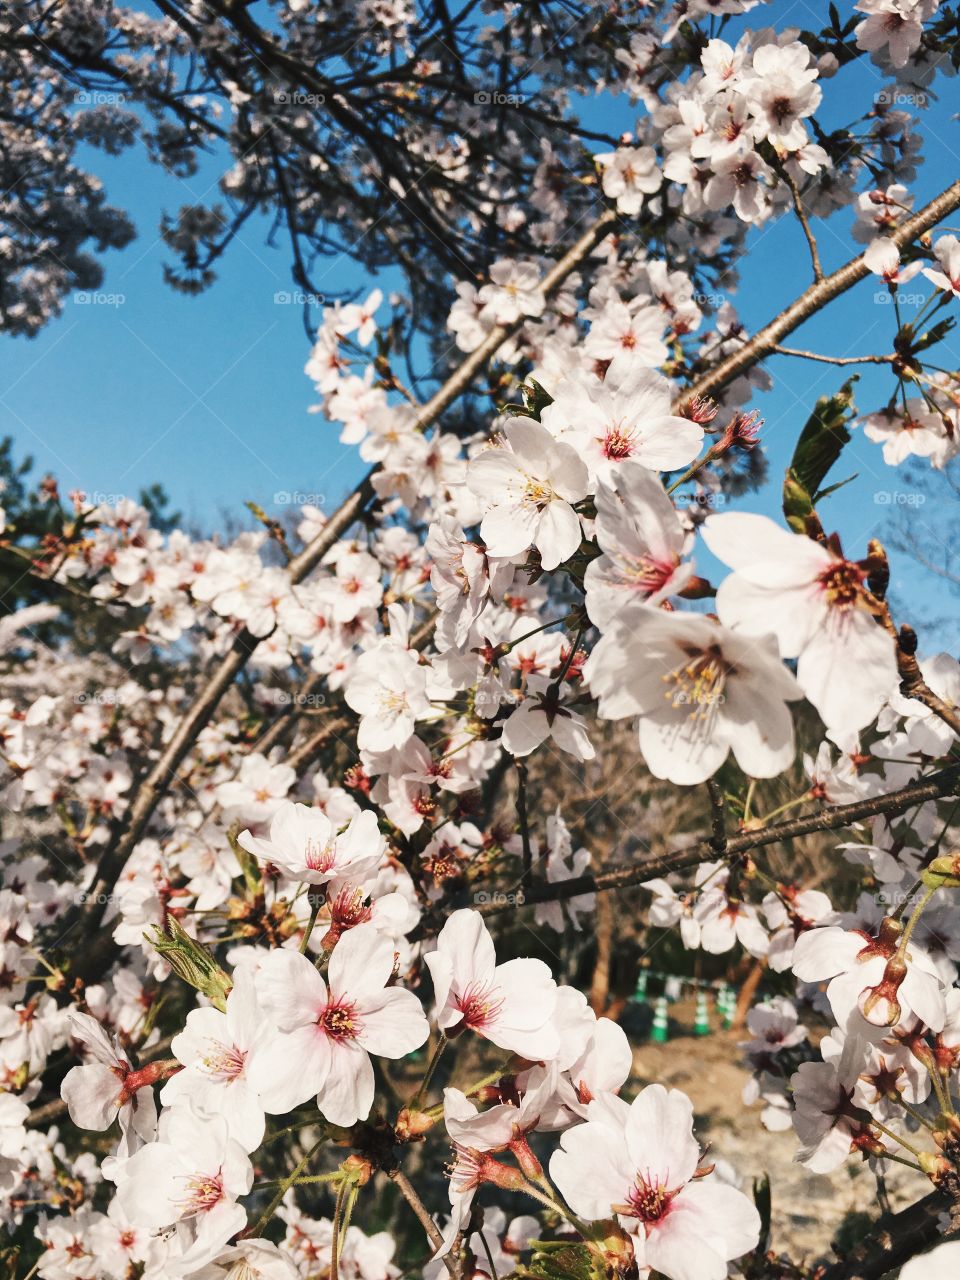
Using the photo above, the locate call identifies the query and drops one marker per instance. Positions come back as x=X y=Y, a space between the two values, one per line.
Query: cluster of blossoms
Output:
x=223 y=926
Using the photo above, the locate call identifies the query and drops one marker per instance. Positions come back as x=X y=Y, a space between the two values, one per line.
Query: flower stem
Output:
x=282 y=1190
x=895 y=1136
x=316 y=900
x=428 y=1075
x=335 y=1236
x=914 y=917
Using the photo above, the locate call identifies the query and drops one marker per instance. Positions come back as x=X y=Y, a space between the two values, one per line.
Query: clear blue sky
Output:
x=207 y=394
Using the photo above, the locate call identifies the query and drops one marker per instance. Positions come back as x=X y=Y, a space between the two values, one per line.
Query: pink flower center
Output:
x=649 y=1201
x=320 y=857
x=618 y=443
x=651 y=575
x=225 y=1061
x=480 y=1004
x=842 y=583
x=339 y=1021
x=203 y=1192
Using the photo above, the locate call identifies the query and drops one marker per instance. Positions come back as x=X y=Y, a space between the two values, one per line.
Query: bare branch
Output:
x=815 y=299
x=815 y=355
x=892 y=1241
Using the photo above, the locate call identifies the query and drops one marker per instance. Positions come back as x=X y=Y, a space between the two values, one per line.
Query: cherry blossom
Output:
x=947 y=250
x=190 y=1178
x=107 y=1088
x=527 y=485
x=641 y=1162
x=699 y=692
x=874 y=983
x=307 y=846
x=510 y=1004
x=629 y=174
x=815 y=602
x=326 y=1031
x=642 y=539
x=218 y=1051
x=626 y=416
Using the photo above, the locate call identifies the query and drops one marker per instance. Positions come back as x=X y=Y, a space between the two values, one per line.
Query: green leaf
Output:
x=820 y=444
x=534 y=398
x=797 y=503
x=832 y=488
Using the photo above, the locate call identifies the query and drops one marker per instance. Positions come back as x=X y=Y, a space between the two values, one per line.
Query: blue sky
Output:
x=207 y=394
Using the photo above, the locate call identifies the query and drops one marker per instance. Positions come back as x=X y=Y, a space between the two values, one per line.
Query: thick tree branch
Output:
x=893 y=1241
x=938 y=785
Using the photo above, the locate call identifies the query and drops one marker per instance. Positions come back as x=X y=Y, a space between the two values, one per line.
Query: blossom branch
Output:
x=893 y=1241
x=160 y=776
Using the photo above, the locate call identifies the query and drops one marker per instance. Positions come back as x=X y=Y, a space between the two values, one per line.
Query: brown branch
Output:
x=805 y=223
x=409 y=1193
x=815 y=298
x=935 y=787
x=893 y=1240
x=913 y=685
x=718 y=818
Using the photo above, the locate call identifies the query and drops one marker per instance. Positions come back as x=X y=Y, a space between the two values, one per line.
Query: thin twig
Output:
x=815 y=299
x=815 y=355
x=805 y=223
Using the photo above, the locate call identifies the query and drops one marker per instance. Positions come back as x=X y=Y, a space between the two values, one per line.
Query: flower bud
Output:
x=412 y=1125
x=358 y=1170
x=879 y=1004
x=192 y=962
